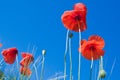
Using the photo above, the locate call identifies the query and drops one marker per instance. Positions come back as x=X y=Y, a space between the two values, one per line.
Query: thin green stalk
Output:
x=101 y=63
x=91 y=67
x=35 y=71
x=79 y=58
x=1 y=61
x=98 y=78
x=102 y=72
x=70 y=54
x=66 y=49
x=112 y=69
x=17 y=66
x=43 y=60
x=37 y=63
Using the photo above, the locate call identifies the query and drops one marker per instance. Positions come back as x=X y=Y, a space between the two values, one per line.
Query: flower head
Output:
x=93 y=47
x=9 y=55
x=27 y=59
x=75 y=19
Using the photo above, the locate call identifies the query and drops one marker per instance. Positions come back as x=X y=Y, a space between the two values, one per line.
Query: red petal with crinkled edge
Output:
x=26 y=54
x=27 y=59
x=25 y=71
x=93 y=54
x=80 y=7
x=82 y=44
x=92 y=48
x=99 y=41
x=70 y=22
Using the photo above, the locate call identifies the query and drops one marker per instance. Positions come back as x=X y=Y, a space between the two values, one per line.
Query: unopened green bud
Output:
x=70 y=35
x=102 y=74
x=43 y=52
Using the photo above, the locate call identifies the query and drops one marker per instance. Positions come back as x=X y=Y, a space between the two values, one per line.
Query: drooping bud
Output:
x=102 y=74
x=43 y=52
x=70 y=35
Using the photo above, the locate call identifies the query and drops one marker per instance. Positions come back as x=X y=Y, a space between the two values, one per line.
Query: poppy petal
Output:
x=25 y=71
x=99 y=40
x=9 y=55
x=26 y=61
x=92 y=48
x=74 y=20
x=26 y=54
x=95 y=54
x=80 y=7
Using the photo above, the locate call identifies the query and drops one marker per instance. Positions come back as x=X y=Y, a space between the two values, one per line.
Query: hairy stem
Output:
x=66 y=49
x=79 y=62
x=42 y=69
x=91 y=67
x=70 y=53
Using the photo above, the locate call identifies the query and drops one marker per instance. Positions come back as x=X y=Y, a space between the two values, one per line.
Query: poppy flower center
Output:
x=78 y=18
x=92 y=48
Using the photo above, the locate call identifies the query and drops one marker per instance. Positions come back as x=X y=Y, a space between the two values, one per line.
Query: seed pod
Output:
x=102 y=74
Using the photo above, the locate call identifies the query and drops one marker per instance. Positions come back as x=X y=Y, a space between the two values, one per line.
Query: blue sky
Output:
x=38 y=23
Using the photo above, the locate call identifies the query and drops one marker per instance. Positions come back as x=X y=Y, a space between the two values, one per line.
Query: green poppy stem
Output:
x=36 y=73
x=66 y=49
x=17 y=66
x=79 y=58
x=102 y=72
x=36 y=63
x=70 y=54
x=91 y=67
x=113 y=65
x=43 y=60
x=101 y=63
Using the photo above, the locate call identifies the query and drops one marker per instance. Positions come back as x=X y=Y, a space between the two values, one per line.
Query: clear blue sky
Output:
x=38 y=22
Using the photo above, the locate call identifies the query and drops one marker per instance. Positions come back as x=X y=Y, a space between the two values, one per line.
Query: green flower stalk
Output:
x=35 y=71
x=43 y=59
x=79 y=58
x=70 y=54
x=102 y=73
x=66 y=49
x=91 y=68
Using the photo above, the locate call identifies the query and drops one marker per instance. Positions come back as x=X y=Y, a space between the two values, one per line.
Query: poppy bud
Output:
x=102 y=73
x=43 y=52
x=70 y=35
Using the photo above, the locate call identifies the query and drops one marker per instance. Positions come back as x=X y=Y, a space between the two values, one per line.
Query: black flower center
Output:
x=92 y=48
x=78 y=18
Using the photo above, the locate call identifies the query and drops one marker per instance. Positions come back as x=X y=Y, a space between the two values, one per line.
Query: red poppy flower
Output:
x=27 y=59
x=93 y=47
x=75 y=19
x=9 y=55
x=25 y=71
